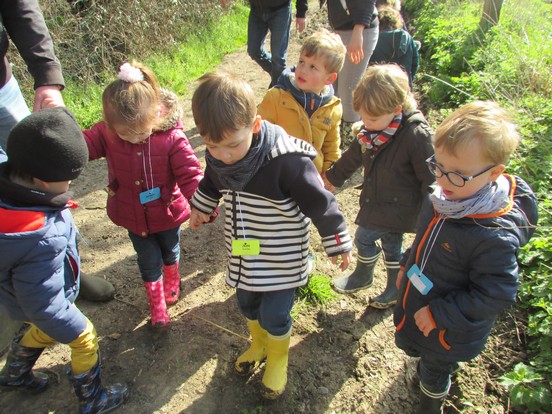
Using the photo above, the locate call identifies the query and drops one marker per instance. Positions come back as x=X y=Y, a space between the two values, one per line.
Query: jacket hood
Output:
x=286 y=144
x=308 y=100
x=171 y=110
x=399 y=39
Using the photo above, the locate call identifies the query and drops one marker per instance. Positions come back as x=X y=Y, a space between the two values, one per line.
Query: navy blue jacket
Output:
x=39 y=260
x=474 y=270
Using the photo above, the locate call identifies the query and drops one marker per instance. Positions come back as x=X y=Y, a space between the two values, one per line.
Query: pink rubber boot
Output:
x=159 y=316
x=171 y=283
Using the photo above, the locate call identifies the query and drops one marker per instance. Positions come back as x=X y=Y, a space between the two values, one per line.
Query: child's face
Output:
x=311 y=74
x=129 y=134
x=234 y=145
x=469 y=162
x=378 y=122
x=58 y=187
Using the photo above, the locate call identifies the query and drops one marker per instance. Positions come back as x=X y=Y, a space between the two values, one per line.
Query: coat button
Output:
x=137 y=182
x=144 y=234
x=139 y=153
x=367 y=200
x=395 y=199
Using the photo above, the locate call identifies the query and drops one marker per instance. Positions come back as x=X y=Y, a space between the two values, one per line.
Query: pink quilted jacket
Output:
x=167 y=158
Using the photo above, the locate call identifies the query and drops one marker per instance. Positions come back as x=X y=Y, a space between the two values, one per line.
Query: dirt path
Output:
x=342 y=359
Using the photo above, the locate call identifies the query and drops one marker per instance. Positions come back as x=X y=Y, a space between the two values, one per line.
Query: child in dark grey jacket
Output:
x=394 y=142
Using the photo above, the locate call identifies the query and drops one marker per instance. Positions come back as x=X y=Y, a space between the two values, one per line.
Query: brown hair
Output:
x=328 y=45
x=221 y=103
x=483 y=121
x=382 y=89
x=389 y=19
x=395 y=4
x=132 y=103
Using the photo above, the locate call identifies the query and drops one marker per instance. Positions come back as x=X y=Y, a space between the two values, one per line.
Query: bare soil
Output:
x=342 y=358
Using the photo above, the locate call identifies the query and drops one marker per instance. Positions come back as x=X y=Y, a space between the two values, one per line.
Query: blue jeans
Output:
x=365 y=241
x=272 y=309
x=278 y=22
x=13 y=109
x=156 y=250
x=434 y=373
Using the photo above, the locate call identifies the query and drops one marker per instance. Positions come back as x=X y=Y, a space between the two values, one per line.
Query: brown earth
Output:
x=342 y=358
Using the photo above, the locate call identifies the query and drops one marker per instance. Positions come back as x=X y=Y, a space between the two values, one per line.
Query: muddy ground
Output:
x=342 y=358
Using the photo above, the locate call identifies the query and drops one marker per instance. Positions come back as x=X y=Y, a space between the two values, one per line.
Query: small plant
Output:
x=317 y=291
x=527 y=389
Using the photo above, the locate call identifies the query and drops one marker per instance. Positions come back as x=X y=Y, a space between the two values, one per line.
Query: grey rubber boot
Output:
x=430 y=405
x=93 y=397
x=95 y=289
x=18 y=371
x=389 y=296
x=361 y=278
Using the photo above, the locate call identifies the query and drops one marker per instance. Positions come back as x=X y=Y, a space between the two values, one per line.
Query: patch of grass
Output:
x=317 y=291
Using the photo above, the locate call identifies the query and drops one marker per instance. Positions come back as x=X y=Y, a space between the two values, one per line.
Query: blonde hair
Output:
x=328 y=45
x=483 y=121
x=133 y=103
x=382 y=89
x=222 y=103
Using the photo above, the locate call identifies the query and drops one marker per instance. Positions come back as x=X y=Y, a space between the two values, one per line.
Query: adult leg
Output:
x=13 y=109
x=279 y=25
x=257 y=30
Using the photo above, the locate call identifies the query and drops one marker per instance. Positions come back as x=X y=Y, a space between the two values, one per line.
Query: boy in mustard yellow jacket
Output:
x=303 y=101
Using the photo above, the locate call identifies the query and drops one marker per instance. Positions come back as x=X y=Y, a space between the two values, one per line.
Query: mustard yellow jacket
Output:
x=321 y=130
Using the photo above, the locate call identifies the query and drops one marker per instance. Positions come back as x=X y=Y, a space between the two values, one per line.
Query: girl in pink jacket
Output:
x=153 y=172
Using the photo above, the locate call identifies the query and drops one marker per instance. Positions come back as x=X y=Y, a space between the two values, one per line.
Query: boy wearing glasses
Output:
x=462 y=268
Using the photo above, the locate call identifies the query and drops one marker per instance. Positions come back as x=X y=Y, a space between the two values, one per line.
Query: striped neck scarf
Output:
x=373 y=140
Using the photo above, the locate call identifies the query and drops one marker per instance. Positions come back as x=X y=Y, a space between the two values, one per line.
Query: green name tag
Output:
x=246 y=247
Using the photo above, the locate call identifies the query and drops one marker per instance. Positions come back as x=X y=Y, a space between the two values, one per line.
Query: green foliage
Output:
x=317 y=291
x=527 y=390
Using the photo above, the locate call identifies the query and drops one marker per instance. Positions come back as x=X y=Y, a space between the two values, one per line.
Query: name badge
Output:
x=150 y=195
x=243 y=247
x=419 y=280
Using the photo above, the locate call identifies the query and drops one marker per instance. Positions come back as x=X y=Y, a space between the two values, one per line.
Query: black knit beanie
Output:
x=48 y=145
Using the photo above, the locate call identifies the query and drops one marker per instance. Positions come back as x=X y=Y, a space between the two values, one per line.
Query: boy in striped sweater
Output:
x=271 y=191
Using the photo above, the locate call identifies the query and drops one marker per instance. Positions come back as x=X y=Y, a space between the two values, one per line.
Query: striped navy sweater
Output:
x=276 y=207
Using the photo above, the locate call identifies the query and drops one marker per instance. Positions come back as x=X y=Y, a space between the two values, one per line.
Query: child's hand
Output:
x=424 y=320
x=197 y=218
x=329 y=186
x=345 y=260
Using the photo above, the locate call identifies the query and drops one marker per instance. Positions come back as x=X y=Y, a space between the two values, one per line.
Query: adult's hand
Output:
x=354 y=48
x=48 y=96
x=300 y=24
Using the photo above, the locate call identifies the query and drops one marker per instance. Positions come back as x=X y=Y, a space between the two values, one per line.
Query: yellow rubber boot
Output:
x=256 y=353
x=275 y=376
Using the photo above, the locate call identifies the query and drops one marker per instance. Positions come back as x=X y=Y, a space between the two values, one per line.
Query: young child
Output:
x=303 y=101
x=40 y=272
x=272 y=191
x=462 y=270
x=153 y=172
x=395 y=45
x=392 y=146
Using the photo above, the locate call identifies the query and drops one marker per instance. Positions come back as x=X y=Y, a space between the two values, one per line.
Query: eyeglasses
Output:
x=456 y=179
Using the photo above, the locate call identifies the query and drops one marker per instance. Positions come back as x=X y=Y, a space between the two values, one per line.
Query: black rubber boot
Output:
x=18 y=371
x=389 y=296
x=430 y=405
x=95 y=289
x=93 y=397
x=361 y=278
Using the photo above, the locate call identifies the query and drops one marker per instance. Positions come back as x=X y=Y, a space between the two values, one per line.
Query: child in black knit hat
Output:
x=39 y=278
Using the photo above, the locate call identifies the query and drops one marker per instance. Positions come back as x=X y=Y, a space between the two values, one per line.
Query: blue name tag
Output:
x=150 y=195
x=419 y=280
